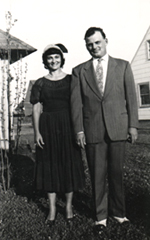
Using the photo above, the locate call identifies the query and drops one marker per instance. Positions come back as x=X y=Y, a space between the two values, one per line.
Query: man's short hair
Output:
x=92 y=30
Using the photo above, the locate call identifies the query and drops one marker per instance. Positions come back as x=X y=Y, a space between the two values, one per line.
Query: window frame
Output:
x=148 y=49
x=140 y=96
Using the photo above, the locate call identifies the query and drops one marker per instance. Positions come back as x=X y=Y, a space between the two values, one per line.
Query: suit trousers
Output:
x=105 y=160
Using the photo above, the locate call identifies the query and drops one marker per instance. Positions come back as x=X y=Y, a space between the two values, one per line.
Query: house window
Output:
x=148 y=49
x=144 y=92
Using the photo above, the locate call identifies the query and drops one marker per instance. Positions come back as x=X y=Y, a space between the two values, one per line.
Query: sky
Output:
x=43 y=22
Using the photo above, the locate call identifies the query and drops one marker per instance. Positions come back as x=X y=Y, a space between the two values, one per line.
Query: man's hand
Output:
x=132 y=135
x=80 y=139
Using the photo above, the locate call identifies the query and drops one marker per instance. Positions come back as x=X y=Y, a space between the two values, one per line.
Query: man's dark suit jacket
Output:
x=119 y=103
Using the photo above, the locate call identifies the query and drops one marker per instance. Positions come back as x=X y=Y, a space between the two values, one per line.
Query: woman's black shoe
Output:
x=50 y=222
x=69 y=221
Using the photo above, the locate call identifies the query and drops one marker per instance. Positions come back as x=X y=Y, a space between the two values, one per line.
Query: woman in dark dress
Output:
x=59 y=167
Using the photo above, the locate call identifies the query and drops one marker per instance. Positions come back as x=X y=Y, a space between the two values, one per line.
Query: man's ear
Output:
x=106 y=40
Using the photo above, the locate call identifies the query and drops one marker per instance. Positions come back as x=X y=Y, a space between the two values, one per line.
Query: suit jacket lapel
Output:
x=89 y=73
x=110 y=78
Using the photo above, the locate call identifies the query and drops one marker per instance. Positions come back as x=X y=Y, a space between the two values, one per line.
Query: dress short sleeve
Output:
x=36 y=91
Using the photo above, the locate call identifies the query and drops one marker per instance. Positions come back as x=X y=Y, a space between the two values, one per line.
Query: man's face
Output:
x=96 y=45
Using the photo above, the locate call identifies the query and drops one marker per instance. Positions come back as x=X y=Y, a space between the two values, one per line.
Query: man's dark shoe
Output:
x=102 y=231
x=126 y=224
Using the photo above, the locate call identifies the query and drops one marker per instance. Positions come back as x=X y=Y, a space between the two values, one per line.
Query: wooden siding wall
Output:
x=141 y=70
x=27 y=104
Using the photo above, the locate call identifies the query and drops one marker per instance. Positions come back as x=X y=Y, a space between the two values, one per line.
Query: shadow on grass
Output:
x=138 y=210
x=22 y=181
x=137 y=200
x=22 y=168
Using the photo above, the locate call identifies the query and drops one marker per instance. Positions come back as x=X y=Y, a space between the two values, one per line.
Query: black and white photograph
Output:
x=75 y=120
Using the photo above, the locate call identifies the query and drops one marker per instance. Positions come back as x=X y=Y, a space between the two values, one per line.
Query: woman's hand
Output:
x=39 y=141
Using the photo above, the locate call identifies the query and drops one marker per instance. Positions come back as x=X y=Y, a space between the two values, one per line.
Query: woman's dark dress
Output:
x=59 y=167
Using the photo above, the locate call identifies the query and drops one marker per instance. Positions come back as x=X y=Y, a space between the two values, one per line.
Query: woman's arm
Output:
x=37 y=108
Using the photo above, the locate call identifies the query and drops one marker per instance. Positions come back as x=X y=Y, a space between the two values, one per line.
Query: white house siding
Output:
x=27 y=104
x=141 y=70
x=4 y=135
x=144 y=113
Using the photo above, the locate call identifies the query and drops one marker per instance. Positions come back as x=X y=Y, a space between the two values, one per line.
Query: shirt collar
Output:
x=105 y=58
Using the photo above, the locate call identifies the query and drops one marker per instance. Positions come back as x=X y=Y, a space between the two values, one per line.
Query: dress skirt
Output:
x=59 y=167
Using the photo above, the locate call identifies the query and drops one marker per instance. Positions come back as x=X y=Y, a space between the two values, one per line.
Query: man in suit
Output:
x=104 y=113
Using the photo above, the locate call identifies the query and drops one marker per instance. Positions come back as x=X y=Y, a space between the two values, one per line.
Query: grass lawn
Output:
x=24 y=210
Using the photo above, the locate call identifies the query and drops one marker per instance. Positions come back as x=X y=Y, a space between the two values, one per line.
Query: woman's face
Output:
x=53 y=61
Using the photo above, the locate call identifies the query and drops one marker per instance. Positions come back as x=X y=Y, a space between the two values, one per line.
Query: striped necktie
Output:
x=99 y=76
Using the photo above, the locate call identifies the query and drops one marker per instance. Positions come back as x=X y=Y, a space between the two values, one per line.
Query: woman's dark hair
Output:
x=92 y=30
x=52 y=51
